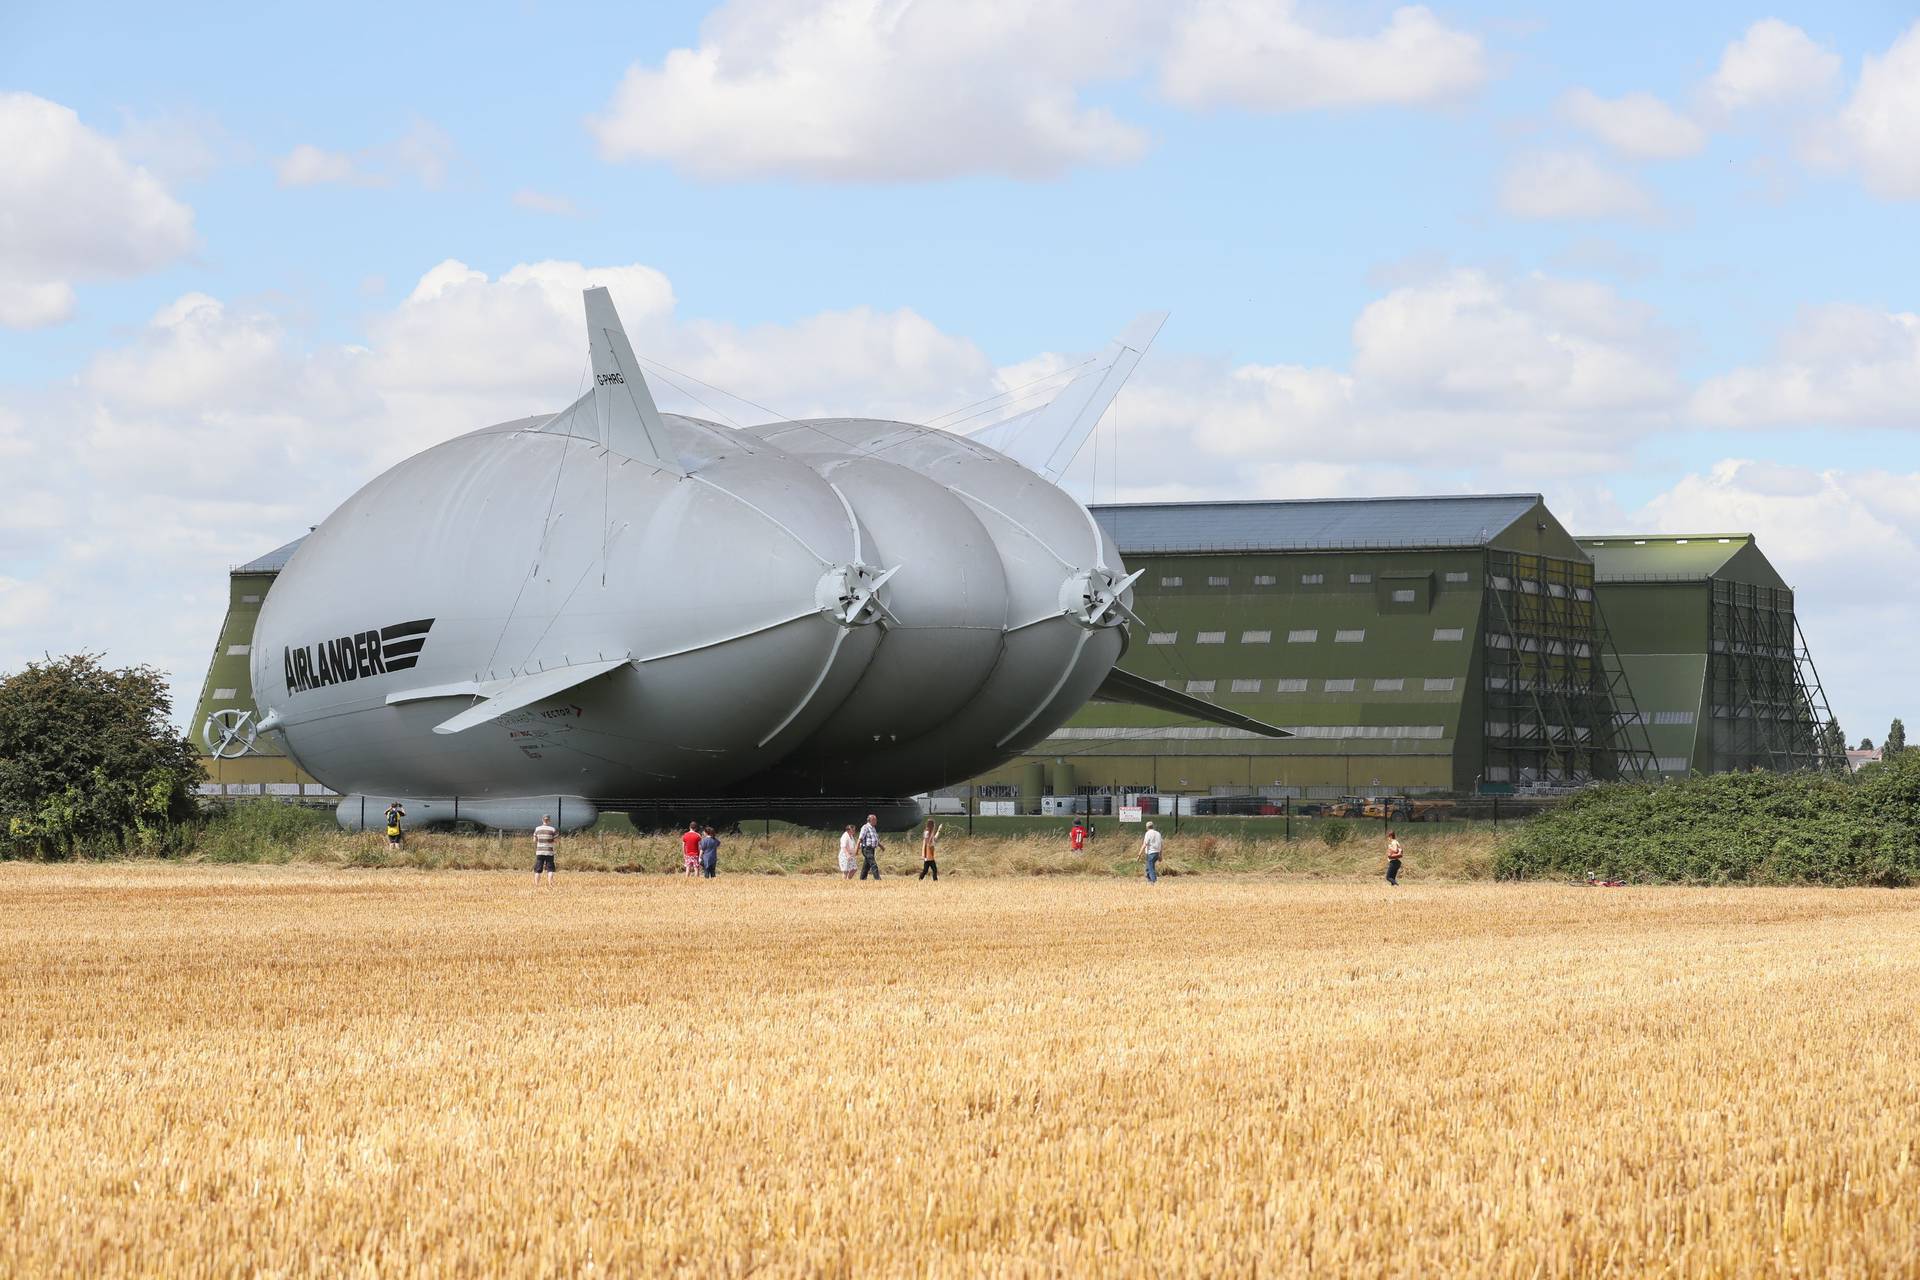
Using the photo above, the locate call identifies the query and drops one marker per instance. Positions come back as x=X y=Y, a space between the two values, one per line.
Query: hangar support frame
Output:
x=1559 y=706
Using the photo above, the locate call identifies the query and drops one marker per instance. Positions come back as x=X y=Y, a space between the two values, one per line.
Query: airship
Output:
x=611 y=608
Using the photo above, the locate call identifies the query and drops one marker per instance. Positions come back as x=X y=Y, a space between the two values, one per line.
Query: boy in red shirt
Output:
x=690 y=849
x=1078 y=837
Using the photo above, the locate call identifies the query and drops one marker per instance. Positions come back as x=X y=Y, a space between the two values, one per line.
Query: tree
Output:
x=1896 y=740
x=89 y=759
x=1833 y=745
x=1866 y=744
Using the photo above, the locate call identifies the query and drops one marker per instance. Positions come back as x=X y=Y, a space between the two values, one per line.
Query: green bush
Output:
x=259 y=831
x=1335 y=832
x=1732 y=828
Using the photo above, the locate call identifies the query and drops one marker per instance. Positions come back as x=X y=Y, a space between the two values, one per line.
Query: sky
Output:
x=1658 y=263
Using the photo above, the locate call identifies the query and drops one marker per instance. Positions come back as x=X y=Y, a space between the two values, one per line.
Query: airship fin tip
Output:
x=1048 y=439
x=630 y=423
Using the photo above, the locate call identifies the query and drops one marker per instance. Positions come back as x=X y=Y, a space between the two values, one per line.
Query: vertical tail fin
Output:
x=629 y=422
x=1049 y=438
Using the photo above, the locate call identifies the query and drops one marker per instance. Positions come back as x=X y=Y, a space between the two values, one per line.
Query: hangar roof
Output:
x=274 y=561
x=1670 y=556
x=1313 y=524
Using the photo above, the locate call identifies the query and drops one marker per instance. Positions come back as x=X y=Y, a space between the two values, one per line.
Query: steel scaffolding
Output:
x=1768 y=707
x=1559 y=707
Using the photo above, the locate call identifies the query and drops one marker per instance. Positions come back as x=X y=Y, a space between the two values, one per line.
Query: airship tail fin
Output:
x=629 y=421
x=1048 y=439
x=1124 y=686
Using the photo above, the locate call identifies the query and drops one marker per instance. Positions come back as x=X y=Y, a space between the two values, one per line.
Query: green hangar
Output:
x=1409 y=645
x=1707 y=636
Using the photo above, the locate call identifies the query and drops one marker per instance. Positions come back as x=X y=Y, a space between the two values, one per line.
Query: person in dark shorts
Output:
x=544 y=837
x=930 y=852
x=709 y=852
x=1393 y=858
x=394 y=814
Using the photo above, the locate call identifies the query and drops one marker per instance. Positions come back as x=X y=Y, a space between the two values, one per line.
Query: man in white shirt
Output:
x=544 y=837
x=1150 y=850
x=870 y=847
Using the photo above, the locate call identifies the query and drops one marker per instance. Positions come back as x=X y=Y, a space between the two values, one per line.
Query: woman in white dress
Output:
x=849 y=852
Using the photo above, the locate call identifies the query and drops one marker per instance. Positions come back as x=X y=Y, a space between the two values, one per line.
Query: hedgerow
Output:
x=1732 y=828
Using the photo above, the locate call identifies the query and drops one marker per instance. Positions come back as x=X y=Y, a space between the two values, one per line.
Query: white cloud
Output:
x=309 y=166
x=423 y=153
x=1773 y=63
x=541 y=202
x=1839 y=538
x=1638 y=124
x=23 y=604
x=1261 y=54
x=1572 y=185
x=73 y=208
x=877 y=90
x=1880 y=125
x=1839 y=365
x=886 y=91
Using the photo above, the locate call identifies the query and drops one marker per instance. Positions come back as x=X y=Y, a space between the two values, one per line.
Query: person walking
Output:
x=1393 y=858
x=929 y=860
x=690 y=850
x=544 y=837
x=1077 y=838
x=1150 y=841
x=849 y=851
x=394 y=814
x=709 y=853
x=870 y=848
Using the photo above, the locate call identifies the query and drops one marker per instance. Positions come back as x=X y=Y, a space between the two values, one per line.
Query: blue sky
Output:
x=1400 y=254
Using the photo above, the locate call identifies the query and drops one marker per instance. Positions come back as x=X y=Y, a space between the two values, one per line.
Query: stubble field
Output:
x=293 y=1071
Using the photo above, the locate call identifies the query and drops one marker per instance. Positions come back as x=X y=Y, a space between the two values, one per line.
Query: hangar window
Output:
x=1449 y=633
x=1246 y=686
x=1672 y=764
x=1256 y=637
x=1438 y=684
x=1403 y=595
x=1163 y=637
x=1312 y=579
x=1354 y=636
x=1583 y=593
x=1394 y=685
x=1289 y=686
x=1529 y=587
x=1557 y=591
x=249 y=599
x=1172 y=582
x=221 y=695
x=1216 y=582
x=1211 y=637
x=1502 y=583
x=238 y=650
x=1359 y=579
x=1338 y=686
x=1263 y=579
x=1199 y=686
x=1308 y=636
x=1495 y=641
x=1459 y=575
x=1673 y=717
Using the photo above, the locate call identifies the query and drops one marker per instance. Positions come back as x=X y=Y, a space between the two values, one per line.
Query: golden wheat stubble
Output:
x=302 y=1071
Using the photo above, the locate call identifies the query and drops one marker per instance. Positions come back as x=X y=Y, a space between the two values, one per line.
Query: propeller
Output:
x=229 y=734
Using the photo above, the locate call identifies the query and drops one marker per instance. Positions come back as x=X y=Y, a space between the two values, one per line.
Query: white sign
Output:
x=1129 y=813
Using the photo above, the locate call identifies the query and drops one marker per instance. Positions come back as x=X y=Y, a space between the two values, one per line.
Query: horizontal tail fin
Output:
x=1124 y=686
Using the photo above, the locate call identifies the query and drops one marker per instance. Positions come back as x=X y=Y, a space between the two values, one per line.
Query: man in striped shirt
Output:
x=543 y=837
